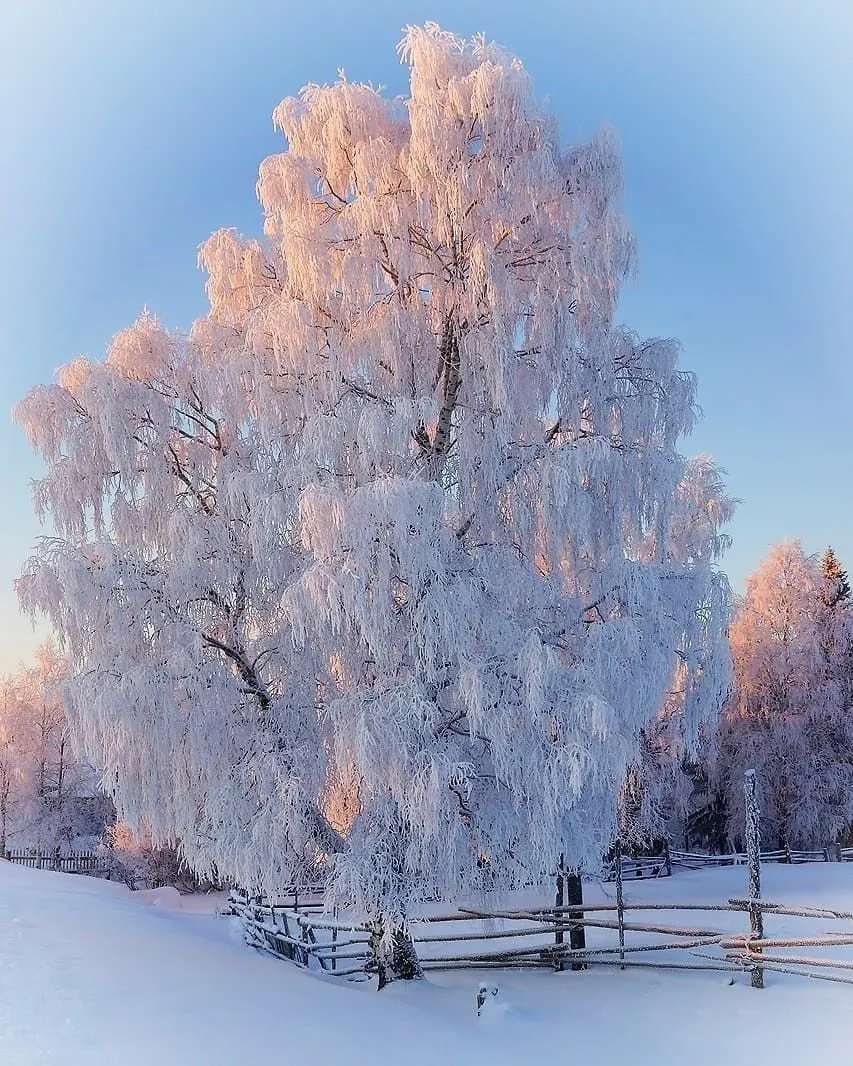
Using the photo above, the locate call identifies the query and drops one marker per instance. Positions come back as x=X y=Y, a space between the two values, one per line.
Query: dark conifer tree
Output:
x=835 y=584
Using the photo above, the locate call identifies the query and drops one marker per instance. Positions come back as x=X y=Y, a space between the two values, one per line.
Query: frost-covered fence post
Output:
x=753 y=866
x=620 y=908
x=667 y=858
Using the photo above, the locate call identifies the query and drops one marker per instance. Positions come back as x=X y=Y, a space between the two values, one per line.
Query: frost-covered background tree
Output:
x=789 y=715
x=48 y=795
x=53 y=772
x=661 y=786
x=133 y=858
x=13 y=737
x=393 y=524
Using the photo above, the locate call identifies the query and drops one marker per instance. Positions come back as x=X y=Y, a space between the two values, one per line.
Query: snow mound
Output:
x=166 y=898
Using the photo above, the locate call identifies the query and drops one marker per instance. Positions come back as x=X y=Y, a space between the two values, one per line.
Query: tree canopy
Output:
x=382 y=569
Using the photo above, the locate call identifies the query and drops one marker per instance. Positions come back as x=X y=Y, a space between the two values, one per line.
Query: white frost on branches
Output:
x=387 y=541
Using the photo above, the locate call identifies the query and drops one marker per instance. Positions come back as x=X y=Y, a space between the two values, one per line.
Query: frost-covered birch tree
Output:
x=392 y=537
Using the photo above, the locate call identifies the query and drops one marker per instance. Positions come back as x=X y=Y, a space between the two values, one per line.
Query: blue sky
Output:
x=130 y=130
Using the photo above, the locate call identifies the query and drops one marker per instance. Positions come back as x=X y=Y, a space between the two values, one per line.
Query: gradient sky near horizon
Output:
x=131 y=129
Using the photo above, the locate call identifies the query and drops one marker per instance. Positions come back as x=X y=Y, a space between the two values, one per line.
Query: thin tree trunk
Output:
x=448 y=377
x=61 y=828
x=4 y=805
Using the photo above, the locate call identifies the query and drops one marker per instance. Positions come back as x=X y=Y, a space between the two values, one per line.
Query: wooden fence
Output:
x=640 y=866
x=77 y=862
x=643 y=866
x=294 y=927
x=697 y=861
x=534 y=937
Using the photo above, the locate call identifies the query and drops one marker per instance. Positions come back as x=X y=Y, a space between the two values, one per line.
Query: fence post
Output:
x=620 y=909
x=753 y=865
x=667 y=859
x=559 y=901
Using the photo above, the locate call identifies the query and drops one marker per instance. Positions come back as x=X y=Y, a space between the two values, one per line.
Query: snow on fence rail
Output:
x=660 y=865
x=692 y=860
x=76 y=862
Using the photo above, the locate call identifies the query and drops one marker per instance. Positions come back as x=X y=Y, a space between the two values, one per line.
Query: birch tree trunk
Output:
x=393 y=952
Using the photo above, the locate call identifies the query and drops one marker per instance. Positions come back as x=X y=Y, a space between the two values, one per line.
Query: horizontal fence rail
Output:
x=640 y=866
x=692 y=860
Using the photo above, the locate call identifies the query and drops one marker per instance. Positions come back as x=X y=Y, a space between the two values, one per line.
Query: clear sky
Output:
x=130 y=129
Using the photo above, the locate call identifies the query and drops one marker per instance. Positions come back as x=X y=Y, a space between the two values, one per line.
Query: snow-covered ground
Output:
x=93 y=974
